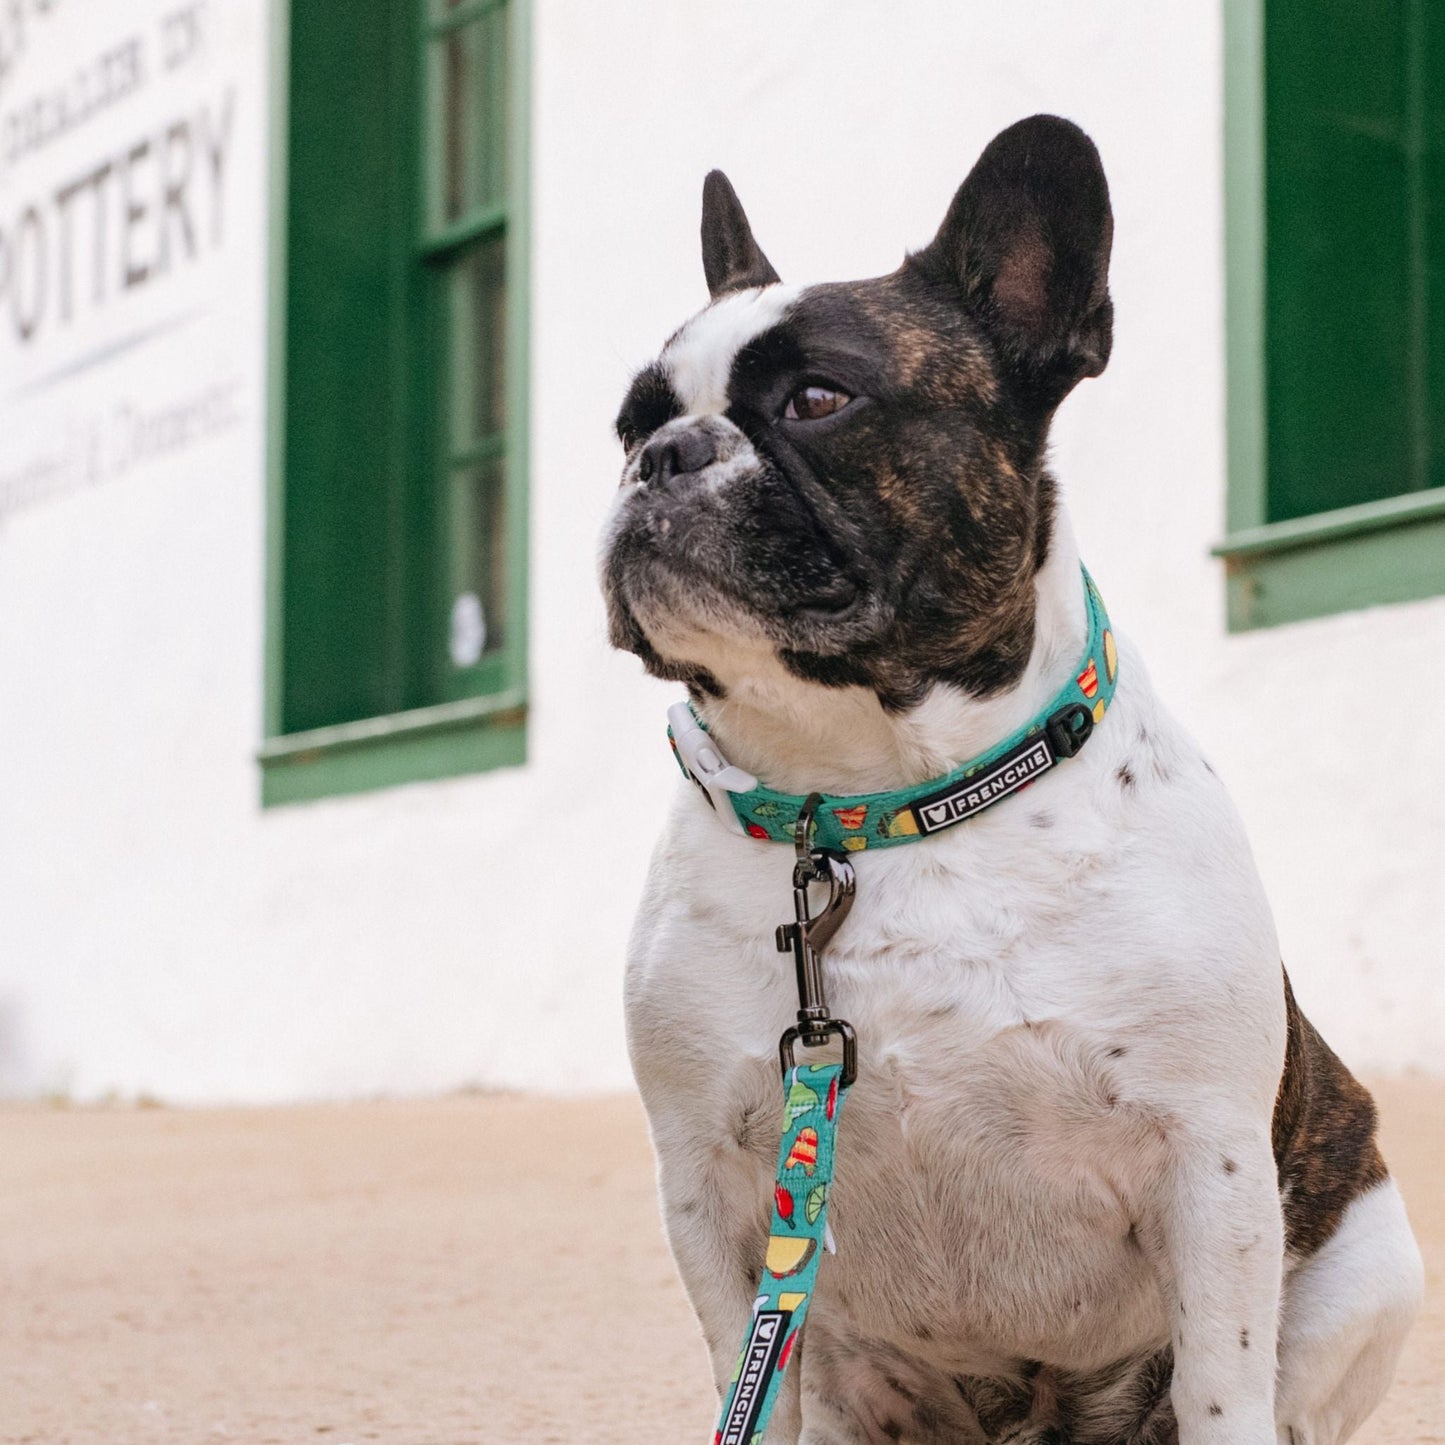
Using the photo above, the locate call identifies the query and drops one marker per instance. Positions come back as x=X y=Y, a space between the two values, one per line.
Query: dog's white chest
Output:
x=1026 y=993
x=986 y=1202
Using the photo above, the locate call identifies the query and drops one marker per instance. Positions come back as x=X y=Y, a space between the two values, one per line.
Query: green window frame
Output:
x=397 y=500
x=1335 y=306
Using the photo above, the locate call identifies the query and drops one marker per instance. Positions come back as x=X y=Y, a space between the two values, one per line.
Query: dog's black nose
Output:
x=675 y=454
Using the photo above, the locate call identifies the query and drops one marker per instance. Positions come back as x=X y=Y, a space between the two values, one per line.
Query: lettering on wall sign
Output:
x=118 y=159
x=57 y=109
x=18 y=20
x=125 y=221
x=126 y=435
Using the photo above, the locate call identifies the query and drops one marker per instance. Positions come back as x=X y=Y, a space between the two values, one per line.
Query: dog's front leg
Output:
x=715 y=1210
x=1223 y=1243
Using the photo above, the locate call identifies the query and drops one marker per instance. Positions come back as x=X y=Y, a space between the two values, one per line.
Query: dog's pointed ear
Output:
x=1026 y=241
x=731 y=259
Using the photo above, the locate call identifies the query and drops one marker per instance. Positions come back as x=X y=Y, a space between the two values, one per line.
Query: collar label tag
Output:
x=972 y=795
x=755 y=1374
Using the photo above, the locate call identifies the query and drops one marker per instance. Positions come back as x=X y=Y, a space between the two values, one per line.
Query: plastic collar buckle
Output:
x=1069 y=728
x=706 y=765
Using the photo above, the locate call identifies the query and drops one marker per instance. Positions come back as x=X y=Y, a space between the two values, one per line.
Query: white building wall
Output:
x=160 y=933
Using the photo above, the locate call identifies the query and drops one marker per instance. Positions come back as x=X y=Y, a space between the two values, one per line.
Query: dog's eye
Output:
x=627 y=435
x=812 y=403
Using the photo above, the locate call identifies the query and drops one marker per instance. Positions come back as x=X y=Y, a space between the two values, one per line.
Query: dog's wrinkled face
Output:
x=851 y=474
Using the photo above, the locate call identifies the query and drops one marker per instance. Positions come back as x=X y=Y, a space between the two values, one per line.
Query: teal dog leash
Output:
x=812 y=1104
x=796 y=1241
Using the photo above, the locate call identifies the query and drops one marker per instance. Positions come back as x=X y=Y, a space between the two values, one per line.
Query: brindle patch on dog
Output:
x=1324 y=1135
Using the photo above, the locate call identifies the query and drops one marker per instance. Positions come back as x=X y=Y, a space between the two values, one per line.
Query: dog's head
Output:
x=851 y=475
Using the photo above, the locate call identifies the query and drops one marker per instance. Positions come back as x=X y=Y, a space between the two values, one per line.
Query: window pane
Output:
x=467 y=102
x=476 y=286
x=476 y=545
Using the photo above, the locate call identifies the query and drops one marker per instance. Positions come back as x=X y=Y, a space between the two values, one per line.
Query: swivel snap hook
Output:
x=807 y=936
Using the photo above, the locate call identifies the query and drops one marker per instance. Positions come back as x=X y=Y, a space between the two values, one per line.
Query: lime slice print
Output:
x=800 y=1099
x=813 y=1204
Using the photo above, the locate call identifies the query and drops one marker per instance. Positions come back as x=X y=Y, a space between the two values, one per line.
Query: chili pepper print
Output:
x=783 y=1202
x=756 y=830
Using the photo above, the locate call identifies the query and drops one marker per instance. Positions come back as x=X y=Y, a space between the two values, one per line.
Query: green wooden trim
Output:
x=518 y=348
x=475 y=735
x=466 y=712
x=473 y=732
x=1341 y=523
x=1385 y=551
x=438 y=245
x=278 y=121
x=1244 y=215
x=486 y=450
x=1401 y=560
x=463 y=15
x=413 y=429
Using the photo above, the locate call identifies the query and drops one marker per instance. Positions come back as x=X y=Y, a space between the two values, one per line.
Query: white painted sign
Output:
x=119 y=122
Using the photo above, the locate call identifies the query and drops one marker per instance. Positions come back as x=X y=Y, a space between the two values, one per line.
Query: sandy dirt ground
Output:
x=484 y=1270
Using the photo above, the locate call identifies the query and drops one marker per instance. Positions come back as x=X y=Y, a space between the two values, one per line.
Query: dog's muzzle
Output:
x=686 y=449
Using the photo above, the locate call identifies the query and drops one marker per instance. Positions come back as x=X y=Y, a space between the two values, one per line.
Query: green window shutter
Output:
x=1429 y=69
x=398 y=589
x=1335 y=204
x=1340 y=294
x=353 y=303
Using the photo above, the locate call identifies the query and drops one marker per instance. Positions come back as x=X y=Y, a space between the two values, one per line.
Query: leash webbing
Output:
x=814 y=1095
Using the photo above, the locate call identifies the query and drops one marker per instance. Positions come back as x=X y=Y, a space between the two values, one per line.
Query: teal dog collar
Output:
x=904 y=815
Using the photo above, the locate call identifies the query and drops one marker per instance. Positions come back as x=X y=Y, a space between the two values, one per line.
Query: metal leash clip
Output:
x=806 y=938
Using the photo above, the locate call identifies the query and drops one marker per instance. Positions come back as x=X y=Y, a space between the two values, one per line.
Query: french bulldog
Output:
x=1099 y=1180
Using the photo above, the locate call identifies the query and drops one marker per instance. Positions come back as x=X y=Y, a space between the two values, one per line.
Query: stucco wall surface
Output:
x=160 y=933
